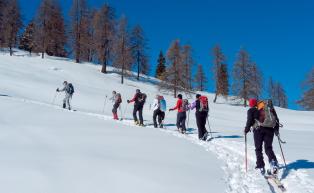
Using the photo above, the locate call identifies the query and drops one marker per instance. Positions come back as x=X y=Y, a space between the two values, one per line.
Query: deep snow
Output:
x=47 y=149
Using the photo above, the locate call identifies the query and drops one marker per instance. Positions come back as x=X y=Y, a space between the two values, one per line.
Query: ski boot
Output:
x=64 y=105
x=274 y=167
x=262 y=170
x=141 y=125
x=136 y=123
x=161 y=125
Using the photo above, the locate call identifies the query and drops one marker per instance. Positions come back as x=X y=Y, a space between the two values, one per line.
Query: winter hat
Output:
x=138 y=91
x=180 y=96
x=198 y=96
x=252 y=102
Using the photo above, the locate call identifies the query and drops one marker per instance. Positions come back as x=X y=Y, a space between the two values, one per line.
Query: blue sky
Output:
x=279 y=34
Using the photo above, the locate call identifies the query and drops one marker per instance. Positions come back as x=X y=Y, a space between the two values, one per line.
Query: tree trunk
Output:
x=11 y=52
x=215 y=99
x=42 y=55
x=104 y=67
x=138 y=66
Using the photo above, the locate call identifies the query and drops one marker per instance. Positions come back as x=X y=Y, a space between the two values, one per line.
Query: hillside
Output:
x=47 y=149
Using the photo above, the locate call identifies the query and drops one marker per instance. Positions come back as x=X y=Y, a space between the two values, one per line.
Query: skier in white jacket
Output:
x=158 y=112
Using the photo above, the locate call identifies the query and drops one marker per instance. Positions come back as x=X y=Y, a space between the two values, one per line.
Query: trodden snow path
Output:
x=229 y=152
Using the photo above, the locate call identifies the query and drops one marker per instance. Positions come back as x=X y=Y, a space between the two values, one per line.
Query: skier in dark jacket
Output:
x=261 y=135
x=181 y=116
x=139 y=101
x=201 y=117
x=69 y=90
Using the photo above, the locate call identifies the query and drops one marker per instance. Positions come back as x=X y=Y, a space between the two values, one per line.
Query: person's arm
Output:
x=179 y=103
x=133 y=99
x=192 y=105
x=249 y=122
x=155 y=104
x=61 y=90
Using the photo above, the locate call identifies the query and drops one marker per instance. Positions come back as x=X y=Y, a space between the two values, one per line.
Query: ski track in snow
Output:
x=230 y=152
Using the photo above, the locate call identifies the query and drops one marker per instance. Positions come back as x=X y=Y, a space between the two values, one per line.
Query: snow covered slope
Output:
x=47 y=149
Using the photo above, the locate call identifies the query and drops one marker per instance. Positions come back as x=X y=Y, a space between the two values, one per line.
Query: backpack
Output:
x=203 y=104
x=185 y=105
x=162 y=104
x=70 y=89
x=267 y=116
x=142 y=98
x=118 y=98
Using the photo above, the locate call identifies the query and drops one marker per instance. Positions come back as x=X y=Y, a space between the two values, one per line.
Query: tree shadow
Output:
x=228 y=136
x=296 y=165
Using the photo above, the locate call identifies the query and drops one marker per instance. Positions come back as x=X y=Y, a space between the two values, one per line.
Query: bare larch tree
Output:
x=12 y=24
x=80 y=26
x=139 y=47
x=219 y=59
x=307 y=100
x=104 y=34
x=122 y=49
x=200 y=78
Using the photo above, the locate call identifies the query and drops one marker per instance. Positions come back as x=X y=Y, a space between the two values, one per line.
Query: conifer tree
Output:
x=161 y=66
x=27 y=41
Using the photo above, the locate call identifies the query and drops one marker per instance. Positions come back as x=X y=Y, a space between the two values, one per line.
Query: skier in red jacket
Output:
x=182 y=107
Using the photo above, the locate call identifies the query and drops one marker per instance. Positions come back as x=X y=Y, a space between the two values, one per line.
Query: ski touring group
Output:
x=262 y=120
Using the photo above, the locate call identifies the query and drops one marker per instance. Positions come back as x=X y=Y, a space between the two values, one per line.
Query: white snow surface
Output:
x=46 y=149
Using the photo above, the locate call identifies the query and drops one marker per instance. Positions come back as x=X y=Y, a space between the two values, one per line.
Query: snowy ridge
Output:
x=27 y=88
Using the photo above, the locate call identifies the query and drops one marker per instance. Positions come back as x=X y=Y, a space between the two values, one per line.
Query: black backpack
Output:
x=71 y=89
x=142 y=98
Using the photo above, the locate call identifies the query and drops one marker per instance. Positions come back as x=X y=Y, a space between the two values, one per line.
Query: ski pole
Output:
x=54 y=98
x=245 y=153
x=210 y=130
x=120 y=112
x=283 y=156
x=103 y=110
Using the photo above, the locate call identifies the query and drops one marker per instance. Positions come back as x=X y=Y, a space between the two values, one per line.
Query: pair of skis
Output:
x=275 y=183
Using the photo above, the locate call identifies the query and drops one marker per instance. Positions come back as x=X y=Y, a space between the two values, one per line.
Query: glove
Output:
x=170 y=110
x=246 y=130
x=128 y=101
x=277 y=132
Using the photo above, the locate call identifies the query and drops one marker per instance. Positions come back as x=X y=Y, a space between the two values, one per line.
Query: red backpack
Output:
x=203 y=104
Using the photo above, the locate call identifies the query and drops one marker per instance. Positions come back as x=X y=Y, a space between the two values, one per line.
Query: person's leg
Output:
x=115 y=111
x=258 y=141
x=134 y=113
x=178 y=121
x=64 y=102
x=154 y=118
x=68 y=98
x=183 y=119
x=140 y=110
x=203 y=125
x=268 y=144
x=199 y=126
